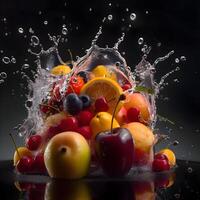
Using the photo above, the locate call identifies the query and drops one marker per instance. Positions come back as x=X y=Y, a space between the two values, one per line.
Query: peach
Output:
x=140 y=102
x=121 y=116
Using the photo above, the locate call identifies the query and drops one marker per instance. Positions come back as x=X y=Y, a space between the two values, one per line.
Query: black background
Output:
x=173 y=23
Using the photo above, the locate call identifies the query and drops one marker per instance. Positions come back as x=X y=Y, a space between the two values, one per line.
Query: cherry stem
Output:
x=121 y=98
x=15 y=145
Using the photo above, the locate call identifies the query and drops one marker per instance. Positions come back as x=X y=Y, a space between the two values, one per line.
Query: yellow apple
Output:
x=67 y=156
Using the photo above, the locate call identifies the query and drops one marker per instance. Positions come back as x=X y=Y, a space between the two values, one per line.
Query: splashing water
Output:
x=40 y=89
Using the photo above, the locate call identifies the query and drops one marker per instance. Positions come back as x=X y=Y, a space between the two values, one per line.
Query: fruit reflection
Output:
x=62 y=190
x=141 y=188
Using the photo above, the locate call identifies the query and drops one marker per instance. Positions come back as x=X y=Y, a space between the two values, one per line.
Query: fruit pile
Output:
x=92 y=119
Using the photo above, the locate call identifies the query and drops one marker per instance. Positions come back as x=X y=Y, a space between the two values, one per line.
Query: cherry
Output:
x=69 y=124
x=133 y=114
x=25 y=164
x=126 y=86
x=75 y=85
x=33 y=142
x=160 y=163
x=39 y=165
x=101 y=105
x=52 y=131
x=84 y=117
x=85 y=131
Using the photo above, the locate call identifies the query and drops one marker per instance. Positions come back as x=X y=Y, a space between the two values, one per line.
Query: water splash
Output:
x=120 y=40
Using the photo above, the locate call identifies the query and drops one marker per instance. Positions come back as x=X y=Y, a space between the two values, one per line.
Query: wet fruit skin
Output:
x=23 y=151
x=67 y=156
x=38 y=165
x=84 y=117
x=25 y=164
x=115 y=151
x=34 y=142
x=101 y=105
x=75 y=85
x=160 y=163
x=170 y=155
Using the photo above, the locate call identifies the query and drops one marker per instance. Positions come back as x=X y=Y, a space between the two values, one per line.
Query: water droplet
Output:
x=1 y=81
x=147 y=12
x=20 y=30
x=183 y=58
x=132 y=16
x=176 y=142
x=110 y=17
x=177 y=69
x=1 y=51
x=13 y=60
x=45 y=22
x=158 y=44
x=40 y=12
x=110 y=4
x=176 y=80
x=117 y=64
x=177 y=196
x=129 y=25
x=123 y=19
x=28 y=103
x=3 y=75
x=140 y=41
x=6 y=60
x=123 y=53
x=31 y=30
x=76 y=27
x=90 y=9
x=127 y=9
x=64 y=31
x=35 y=40
x=189 y=169
x=25 y=66
x=6 y=34
x=176 y=60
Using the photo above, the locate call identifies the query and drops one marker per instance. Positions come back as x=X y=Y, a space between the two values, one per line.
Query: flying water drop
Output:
x=20 y=30
x=6 y=60
x=110 y=17
x=3 y=75
x=132 y=16
x=64 y=31
x=176 y=60
x=35 y=40
x=140 y=41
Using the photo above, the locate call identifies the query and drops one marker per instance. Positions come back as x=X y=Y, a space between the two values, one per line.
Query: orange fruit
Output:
x=103 y=71
x=170 y=155
x=60 y=70
x=104 y=87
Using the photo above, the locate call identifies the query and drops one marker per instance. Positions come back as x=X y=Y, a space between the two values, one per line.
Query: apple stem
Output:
x=121 y=98
x=15 y=145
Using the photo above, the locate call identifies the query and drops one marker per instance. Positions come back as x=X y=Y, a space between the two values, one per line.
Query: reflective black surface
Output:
x=182 y=183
